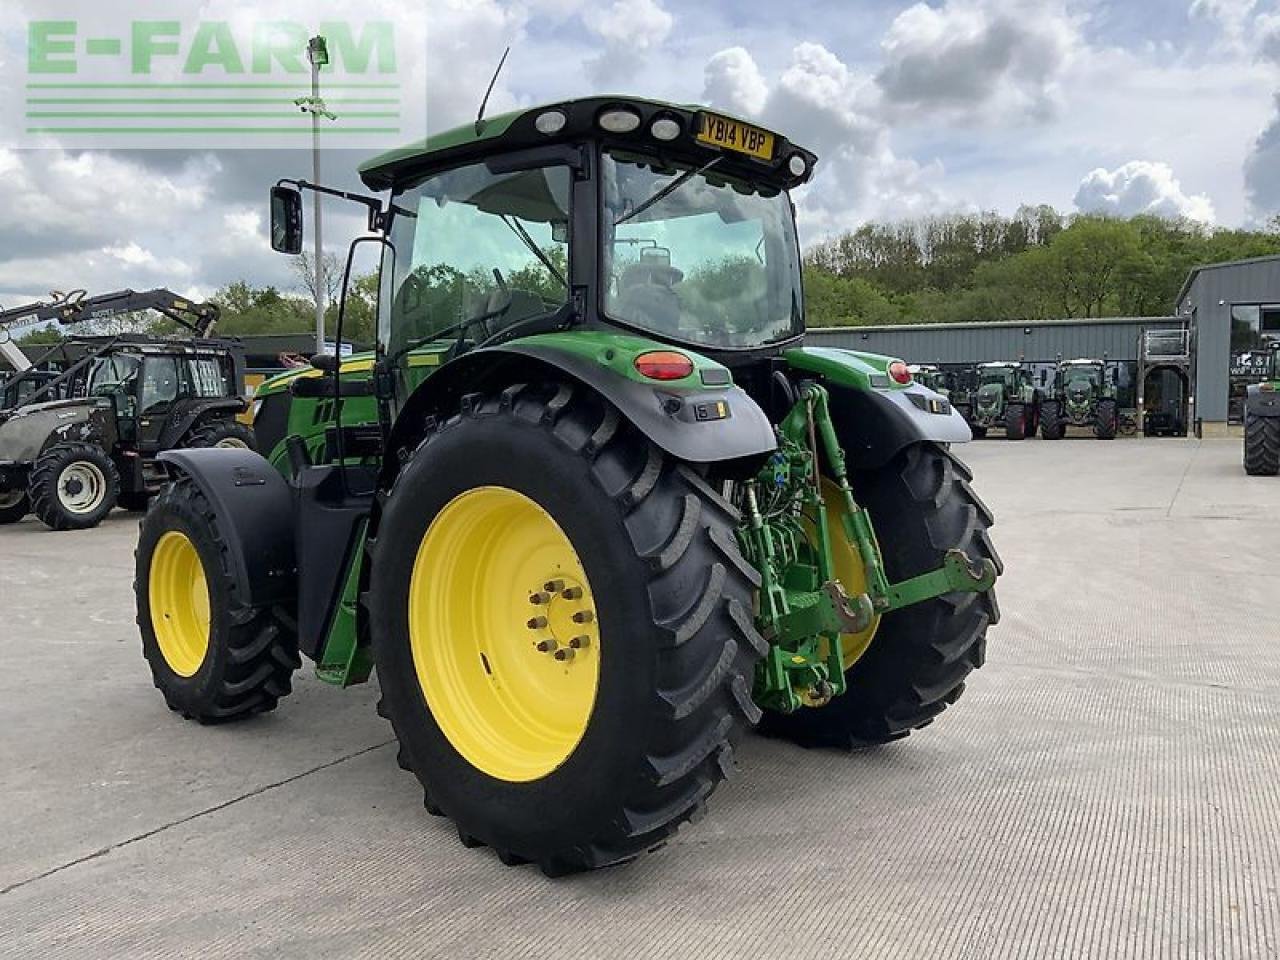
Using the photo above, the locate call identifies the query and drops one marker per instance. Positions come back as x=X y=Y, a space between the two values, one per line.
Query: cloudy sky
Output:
x=1122 y=106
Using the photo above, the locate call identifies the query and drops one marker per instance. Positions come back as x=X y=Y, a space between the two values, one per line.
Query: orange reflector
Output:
x=664 y=365
x=899 y=372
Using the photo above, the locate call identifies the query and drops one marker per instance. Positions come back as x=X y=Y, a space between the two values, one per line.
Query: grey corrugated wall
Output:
x=1209 y=298
x=975 y=343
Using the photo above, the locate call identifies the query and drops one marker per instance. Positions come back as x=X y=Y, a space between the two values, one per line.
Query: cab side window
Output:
x=160 y=384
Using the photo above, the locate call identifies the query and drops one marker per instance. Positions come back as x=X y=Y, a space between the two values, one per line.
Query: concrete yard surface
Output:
x=1108 y=786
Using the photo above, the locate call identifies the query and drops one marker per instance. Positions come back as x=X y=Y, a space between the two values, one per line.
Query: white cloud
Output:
x=1232 y=15
x=1262 y=171
x=640 y=24
x=822 y=104
x=630 y=29
x=977 y=58
x=1140 y=187
x=733 y=82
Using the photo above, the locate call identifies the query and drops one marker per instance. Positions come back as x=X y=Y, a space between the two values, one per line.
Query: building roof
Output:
x=1196 y=271
x=993 y=324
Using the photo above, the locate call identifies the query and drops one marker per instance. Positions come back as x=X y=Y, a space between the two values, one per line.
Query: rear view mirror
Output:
x=286 y=220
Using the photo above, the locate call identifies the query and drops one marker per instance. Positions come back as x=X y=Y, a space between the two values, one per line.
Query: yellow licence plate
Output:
x=735 y=135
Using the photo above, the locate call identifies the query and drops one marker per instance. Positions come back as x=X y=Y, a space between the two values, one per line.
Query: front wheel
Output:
x=1015 y=421
x=565 y=653
x=221 y=433
x=1107 y=419
x=213 y=656
x=1261 y=445
x=915 y=666
x=73 y=486
x=1051 y=423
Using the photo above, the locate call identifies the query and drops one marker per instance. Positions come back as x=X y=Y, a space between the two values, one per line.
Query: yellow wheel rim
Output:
x=849 y=569
x=502 y=626
x=179 y=599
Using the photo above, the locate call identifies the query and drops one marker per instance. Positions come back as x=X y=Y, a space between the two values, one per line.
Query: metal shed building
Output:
x=1233 y=307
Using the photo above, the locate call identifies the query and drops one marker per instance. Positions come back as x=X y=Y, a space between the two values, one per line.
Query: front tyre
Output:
x=221 y=433
x=562 y=630
x=1015 y=421
x=73 y=486
x=215 y=657
x=915 y=667
x=1052 y=426
x=1107 y=420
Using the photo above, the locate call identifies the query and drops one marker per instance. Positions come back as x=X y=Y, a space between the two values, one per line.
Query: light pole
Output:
x=318 y=54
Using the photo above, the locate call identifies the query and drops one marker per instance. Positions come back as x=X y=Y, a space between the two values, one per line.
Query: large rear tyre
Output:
x=1051 y=423
x=214 y=656
x=73 y=486
x=915 y=667
x=565 y=652
x=14 y=505
x=1107 y=420
x=221 y=433
x=1261 y=445
x=1015 y=421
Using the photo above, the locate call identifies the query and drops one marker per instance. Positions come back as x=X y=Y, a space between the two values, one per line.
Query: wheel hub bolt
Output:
x=537 y=623
x=553 y=586
x=548 y=646
x=583 y=616
x=564 y=654
x=578 y=643
x=540 y=599
x=572 y=593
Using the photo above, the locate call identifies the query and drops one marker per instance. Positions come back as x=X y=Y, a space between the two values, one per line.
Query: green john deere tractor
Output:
x=1083 y=396
x=1262 y=421
x=1005 y=397
x=593 y=507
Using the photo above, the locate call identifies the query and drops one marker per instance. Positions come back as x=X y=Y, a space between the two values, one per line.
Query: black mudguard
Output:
x=874 y=425
x=254 y=507
x=178 y=426
x=670 y=418
x=1261 y=404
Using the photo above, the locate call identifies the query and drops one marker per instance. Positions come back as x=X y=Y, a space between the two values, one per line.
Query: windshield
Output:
x=475 y=253
x=1001 y=376
x=1080 y=373
x=117 y=371
x=693 y=256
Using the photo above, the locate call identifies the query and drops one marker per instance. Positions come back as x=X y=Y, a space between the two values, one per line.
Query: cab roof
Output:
x=518 y=130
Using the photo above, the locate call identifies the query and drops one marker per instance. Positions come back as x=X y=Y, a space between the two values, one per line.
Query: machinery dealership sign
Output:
x=214 y=78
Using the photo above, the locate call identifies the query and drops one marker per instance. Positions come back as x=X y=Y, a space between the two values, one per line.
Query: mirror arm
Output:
x=379 y=219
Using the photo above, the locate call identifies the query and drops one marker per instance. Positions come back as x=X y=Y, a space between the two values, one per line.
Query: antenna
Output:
x=485 y=102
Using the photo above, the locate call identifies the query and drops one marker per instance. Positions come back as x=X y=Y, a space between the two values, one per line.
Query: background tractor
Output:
x=1262 y=421
x=1083 y=396
x=1004 y=397
x=78 y=442
x=933 y=377
x=592 y=507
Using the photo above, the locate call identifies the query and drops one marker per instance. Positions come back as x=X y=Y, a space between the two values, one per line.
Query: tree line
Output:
x=1034 y=265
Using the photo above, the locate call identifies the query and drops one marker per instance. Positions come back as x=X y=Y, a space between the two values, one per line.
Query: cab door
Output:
x=160 y=386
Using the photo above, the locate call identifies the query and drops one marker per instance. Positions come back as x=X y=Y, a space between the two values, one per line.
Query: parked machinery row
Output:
x=1003 y=395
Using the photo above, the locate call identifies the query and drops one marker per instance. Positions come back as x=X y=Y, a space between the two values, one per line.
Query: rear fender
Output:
x=254 y=507
x=875 y=417
x=1262 y=403
x=701 y=419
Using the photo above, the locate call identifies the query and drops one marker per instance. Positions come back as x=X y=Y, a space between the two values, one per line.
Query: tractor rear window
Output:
x=692 y=256
x=208 y=377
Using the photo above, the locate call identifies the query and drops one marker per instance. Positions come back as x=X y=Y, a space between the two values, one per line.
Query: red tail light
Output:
x=664 y=365
x=899 y=372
